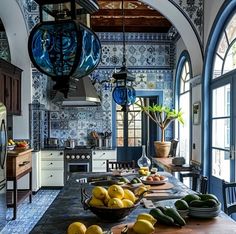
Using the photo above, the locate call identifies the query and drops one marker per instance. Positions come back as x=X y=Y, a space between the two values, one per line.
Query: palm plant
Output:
x=162 y=116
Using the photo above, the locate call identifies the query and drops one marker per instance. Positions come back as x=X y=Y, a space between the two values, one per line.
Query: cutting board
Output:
x=194 y=226
x=167 y=185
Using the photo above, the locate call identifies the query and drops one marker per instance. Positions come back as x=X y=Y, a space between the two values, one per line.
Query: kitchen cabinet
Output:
x=19 y=164
x=99 y=159
x=10 y=87
x=52 y=168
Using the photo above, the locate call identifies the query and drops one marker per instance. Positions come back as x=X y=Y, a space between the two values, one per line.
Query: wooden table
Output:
x=166 y=164
x=19 y=163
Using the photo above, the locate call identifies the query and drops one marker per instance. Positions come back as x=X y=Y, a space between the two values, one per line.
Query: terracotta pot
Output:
x=162 y=149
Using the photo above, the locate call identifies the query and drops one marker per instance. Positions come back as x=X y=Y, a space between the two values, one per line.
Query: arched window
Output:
x=183 y=77
x=225 y=56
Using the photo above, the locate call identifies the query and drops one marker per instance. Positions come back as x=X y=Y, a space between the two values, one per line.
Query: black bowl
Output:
x=110 y=214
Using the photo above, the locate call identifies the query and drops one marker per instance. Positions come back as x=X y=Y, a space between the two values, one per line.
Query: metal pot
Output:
x=70 y=143
x=53 y=141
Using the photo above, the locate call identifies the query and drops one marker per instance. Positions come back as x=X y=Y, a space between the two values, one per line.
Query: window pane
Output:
x=184 y=130
x=221 y=101
x=138 y=142
x=231 y=29
x=220 y=161
x=223 y=46
x=131 y=133
x=120 y=116
x=230 y=60
x=221 y=133
x=120 y=124
x=131 y=142
x=218 y=63
x=187 y=67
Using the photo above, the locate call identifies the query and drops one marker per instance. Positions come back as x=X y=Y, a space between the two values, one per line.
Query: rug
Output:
x=28 y=214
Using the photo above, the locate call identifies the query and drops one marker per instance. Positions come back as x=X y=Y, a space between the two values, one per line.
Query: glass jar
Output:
x=144 y=161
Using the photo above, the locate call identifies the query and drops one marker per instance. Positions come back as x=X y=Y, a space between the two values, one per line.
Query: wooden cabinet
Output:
x=19 y=163
x=99 y=159
x=52 y=168
x=10 y=87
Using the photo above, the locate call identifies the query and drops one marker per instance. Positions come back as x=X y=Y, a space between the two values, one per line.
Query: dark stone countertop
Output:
x=67 y=207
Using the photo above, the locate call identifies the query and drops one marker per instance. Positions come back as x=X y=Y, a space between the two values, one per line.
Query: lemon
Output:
x=94 y=229
x=129 y=195
x=76 y=228
x=96 y=202
x=142 y=226
x=116 y=191
x=140 y=190
x=99 y=192
x=127 y=203
x=115 y=203
x=147 y=217
x=106 y=199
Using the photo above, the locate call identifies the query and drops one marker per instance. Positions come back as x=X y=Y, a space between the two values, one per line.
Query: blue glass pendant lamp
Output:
x=64 y=47
x=124 y=94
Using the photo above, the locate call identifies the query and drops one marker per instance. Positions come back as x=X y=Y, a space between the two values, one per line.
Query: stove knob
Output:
x=83 y=157
x=68 y=156
x=77 y=156
x=88 y=156
x=72 y=156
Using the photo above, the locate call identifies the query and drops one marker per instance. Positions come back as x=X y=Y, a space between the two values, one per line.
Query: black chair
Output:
x=199 y=183
x=229 y=197
x=120 y=165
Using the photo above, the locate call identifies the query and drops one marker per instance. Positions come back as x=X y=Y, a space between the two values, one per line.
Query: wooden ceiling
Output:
x=138 y=17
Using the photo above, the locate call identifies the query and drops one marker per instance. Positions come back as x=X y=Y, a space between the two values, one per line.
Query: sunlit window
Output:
x=184 y=105
x=225 y=58
x=129 y=124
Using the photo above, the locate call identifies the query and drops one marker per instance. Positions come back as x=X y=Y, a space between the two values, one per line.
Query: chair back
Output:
x=173 y=148
x=120 y=165
x=229 y=197
x=203 y=185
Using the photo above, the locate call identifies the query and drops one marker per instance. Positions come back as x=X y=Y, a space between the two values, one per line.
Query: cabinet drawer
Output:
x=52 y=178
x=48 y=154
x=99 y=166
x=52 y=164
x=104 y=154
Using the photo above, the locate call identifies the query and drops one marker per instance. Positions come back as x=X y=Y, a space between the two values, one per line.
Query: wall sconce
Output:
x=63 y=47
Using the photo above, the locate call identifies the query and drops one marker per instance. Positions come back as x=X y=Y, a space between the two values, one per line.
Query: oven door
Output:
x=77 y=167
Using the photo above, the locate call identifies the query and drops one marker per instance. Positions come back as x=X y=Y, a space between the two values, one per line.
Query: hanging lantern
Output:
x=124 y=94
x=64 y=47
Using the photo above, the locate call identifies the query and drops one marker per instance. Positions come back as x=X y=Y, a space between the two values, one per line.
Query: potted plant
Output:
x=162 y=116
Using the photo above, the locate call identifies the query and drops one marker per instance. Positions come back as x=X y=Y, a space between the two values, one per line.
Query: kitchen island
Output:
x=67 y=207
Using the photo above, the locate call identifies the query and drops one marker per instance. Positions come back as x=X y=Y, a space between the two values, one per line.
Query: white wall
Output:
x=15 y=27
x=211 y=9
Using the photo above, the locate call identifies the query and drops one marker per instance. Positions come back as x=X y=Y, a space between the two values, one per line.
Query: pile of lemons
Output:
x=144 y=224
x=113 y=197
x=80 y=228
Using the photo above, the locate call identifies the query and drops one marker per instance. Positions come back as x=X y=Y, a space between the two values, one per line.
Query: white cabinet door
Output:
x=52 y=178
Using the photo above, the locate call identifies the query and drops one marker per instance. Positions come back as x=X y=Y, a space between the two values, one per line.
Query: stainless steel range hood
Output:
x=81 y=93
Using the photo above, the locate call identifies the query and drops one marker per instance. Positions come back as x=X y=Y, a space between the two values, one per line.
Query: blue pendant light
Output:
x=64 y=47
x=124 y=94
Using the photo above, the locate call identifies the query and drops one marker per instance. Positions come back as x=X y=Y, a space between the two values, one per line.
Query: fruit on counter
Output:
x=208 y=196
x=144 y=171
x=99 y=192
x=127 y=203
x=21 y=144
x=124 y=180
x=156 y=177
x=140 y=190
x=115 y=203
x=116 y=191
x=135 y=180
x=210 y=203
x=128 y=194
x=181 y=205
x=10 y=142
x=174 y=214
x=147 y=217
x=191 y=197
x=95 y=202
x=94 y=229
x=142 y=226
x=76 y=228
x=161 y=217
x=101 y=197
